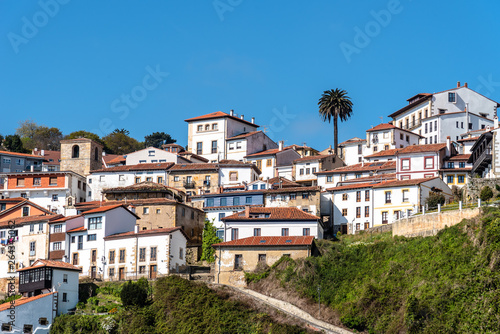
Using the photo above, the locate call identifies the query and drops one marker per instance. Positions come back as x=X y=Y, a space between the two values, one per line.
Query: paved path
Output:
x=293 y=311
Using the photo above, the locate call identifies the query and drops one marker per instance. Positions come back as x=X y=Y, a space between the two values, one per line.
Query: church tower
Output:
x=81 y=155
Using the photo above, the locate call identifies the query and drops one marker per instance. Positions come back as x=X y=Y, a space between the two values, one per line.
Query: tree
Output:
x=134 y=294
x=85 y=134
x=156 y=139
x=486 y=194
x=13 y=143
x=118 y=142
x=434 y=199
x=335 y=104
x=209 y=238
x=39 y=136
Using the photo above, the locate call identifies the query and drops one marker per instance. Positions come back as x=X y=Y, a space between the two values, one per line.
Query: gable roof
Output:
x=21 y=203
x=362 y=167
x=273 y=151
x=384 y=153
x=145 y=186
x=422 y=148
x=25 y=155
x=424 y=98
x=219 y=114
x=353 y=186
x=106 y=208
x=355 y=140
x=20 y=221
x=111 y=159
x=268 y=241
x=191 y=154
x=244 y=135
x=48 y=155
x=138 y=167
x=146 y=233
x=314 y=157
x=275 y=213
x=285 y=183
x=400 y=183
x=51 y=264
x=24 y=300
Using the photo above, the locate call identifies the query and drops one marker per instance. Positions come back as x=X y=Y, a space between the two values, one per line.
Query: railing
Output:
x=189 y=185
x=412 y=125
x=482 y=161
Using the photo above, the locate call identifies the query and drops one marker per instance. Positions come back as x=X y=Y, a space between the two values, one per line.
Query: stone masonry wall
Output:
x=474 y=186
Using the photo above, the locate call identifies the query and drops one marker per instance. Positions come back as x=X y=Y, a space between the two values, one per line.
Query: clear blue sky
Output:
x=72 y=66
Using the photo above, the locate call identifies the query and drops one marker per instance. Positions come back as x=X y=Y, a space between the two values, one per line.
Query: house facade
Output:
x=353 y=150
x=304 y=169
x=239 y=146
x=151 y=155
x=268 y=162
x=386 y=136
x=416 y=162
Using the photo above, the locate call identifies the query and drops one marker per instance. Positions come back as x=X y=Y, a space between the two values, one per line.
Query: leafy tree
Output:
x=209 y=238
x=1 y=140
x=119 y=142
x=39 y=136
x=335 y=104
x=84 y=134
x=134 y=294
x=13 y=143
x=486 y=194
x=458 y=193
x=156 y=139
x=434 y=199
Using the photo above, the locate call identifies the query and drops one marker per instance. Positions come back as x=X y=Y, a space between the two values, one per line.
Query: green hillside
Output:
x=449 y=283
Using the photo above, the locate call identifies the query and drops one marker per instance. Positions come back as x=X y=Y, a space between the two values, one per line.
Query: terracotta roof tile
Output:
x=268 y=152
x=268 y=241
x=21 y=155
x=400 y=183
x=142 y=187
x=366 y=167
x=194 y=166
x=384 y=153
x=196 y=156
x=243 y=135
x=313 y=157
x=51 y=264
x=24 y=300
x=219 y=114
x=352 y=141
x=275 y=213
x=19 y=221
x=376 y=177
x=382 y=126
x=148 y=166
x=291 y=189
x=353 y=186
x=275 y=182
x=422 y=148
x=460 y=157
x=104 y=208
x=55 y=156
x=77 y=229
x=468 y=139
x=111 y=159
x=143 y=233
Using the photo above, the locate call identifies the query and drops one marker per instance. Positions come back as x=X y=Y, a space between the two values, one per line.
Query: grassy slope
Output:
x=449 y=283
x=180 y=306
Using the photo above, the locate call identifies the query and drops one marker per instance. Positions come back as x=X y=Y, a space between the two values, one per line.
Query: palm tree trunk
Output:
x=335 y=135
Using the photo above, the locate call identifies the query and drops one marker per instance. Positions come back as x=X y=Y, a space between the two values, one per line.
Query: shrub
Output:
x=486 y=194
x=209 y=238
x=434 y=199
x=134 y=294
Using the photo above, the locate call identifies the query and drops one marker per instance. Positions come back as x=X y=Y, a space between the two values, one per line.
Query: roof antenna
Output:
x=381 y=119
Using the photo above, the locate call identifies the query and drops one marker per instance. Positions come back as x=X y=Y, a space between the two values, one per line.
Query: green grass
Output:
x=448 y=283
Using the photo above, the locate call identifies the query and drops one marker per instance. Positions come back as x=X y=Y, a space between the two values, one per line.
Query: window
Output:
x=112 y=256
x=57 y=245
x=470 y=126
x=26 y=211
x=122 y=256
x=111 y=272
x=358 y=226
x=293 y=196
x=149 y=179
x=238 y=262
x=429 y=163
x=183 y=212
x=450 y=179
x=308 y=171
x=462 y=124
x=20 y=182
x=145 y=210
x=214 y=126
x=233 y=176
x=32 y=228
x=176 y=178
x=301 y=171
x=344 y=196
x=259 y=164
x=234 y=234
x=405 y=164
x=65 y=297
x=451 y=164
x=236 y=201
x=200 y=128
x=406 y=193
x=91 y=237
x=385 y=214
x=199 y=148
x=306 y=231
x=210 y=202
x=32 y=248
x=435 y=125
x=80 y=242
x=95 y=223
x=27 y=328
x=262 y=186
x=248 y=200
x=367 y=195
x=256 y=232
x=214 y=146
x=52 y=181
x=43 y=321
x=451 y=97
x=75 y=259
x=461 y=164
x=387 y=197
x=457 y=124
x=358 y=212
x=37 y=181
x=153 y=253
x=344 y=212
x=367 y=211
x=142 y=269
x=360 y=149
x=461 y=178
x=269 y=162
x=425 y=128
x=329 y=179
x=159 y=180
x=40 y=227
x=358 y=196
x=181 y=253
x=285 y=232
x=223 y=202
x=305 y=195
x=142 y=254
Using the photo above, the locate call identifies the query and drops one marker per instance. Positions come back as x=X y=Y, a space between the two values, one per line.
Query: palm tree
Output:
x=335 y=103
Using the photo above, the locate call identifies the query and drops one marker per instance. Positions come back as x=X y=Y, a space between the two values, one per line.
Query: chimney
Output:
x=136 y=229
x=231 y=112
x=247 y=211
x=280 y=145
x=458 y=84
x=253 y=120
x=448 y=145
x=466 y=85
x=241 y=116
x=42 y=153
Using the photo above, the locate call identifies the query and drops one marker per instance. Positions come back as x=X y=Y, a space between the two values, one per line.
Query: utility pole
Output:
x=319 y=301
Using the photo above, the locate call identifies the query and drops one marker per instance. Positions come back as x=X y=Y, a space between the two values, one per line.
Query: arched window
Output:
x=96 y=154
x=76 y=152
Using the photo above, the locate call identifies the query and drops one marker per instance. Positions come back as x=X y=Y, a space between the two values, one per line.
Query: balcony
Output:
x=482 y=161
x=206 y=183
x=412 y=125
x=189 y=185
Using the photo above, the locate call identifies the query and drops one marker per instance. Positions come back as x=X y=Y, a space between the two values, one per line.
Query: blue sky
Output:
x=147 y=66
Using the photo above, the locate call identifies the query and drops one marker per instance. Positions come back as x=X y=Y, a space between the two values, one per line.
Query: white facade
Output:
x=67 y=224
x=353 y=150
x=231 y=175
x=353 y=205
x=65 y=282
x=418 y=165
x=272 y=228
x=240 y=146
x=153 y=155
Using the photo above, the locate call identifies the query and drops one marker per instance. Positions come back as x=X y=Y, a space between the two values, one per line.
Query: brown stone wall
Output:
x=198 y=178
x=86 y=161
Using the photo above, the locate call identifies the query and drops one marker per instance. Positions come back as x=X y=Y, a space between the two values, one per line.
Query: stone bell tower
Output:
x=81 y=155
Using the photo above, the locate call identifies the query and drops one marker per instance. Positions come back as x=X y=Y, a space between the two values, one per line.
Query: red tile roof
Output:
x=21 y=155
x=145 y=186
x=313 y=157
x=24 y=300
x=148 y=166
x=460 y=157
x=275 y=182
x=366 y=167
x=243 y=135
x=353 y=186
x=400 y=183
x=421 y=148
x=48 y=155
x=78 y=229
x=268 y=241
x=376 y=177
x=51 y=264
x=277 y=213
x=196 y=156
x=219 y=114
x=111 y=159
x=145 y=233
x=19 y=221
x=468 y=139
x=195 y=166
x=382 y=126
x=352 y=141
x=384 y=153
x=104 y=208
x=291 y=189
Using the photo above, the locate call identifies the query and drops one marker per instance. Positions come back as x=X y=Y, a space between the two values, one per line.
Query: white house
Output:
x=207 y=134
x=456 y=171
x=471 y=109
x=415 y=162
x=153 y=155
x=147 y=253
x=122 y=176
x=236 y=173
x=352 y=150
x=270 y=161
x=87 y=247
x=59 y=240
x=261 y=221
x=386 y=136
x=385 y=155
x=305 y=168
x=239 y=146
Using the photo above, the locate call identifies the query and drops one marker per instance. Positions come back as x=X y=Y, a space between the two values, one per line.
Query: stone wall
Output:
x=474 y=186
x=379 y=229
x=432 y=223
